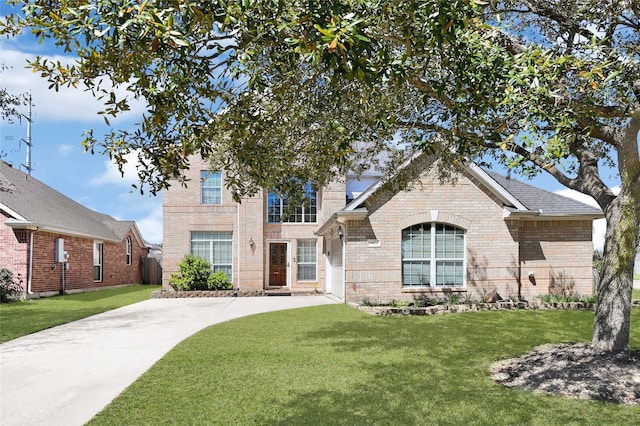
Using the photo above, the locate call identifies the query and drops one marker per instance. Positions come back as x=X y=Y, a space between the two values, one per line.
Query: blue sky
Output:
x=60 y=119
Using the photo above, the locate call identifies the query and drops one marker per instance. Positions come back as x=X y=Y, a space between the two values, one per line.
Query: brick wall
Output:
x=14 y=246
x=183 y=213
x=560 y=255
x=494 y=260
x=558 y=251
x=47 y=274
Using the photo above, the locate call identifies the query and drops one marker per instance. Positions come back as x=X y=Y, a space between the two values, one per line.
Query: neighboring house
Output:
x=358 y=239
x=57 y=245
x=636 y=268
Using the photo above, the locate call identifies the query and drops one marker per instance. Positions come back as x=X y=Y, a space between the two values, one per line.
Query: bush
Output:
x=195 y=274
x=219 y=281
x=597 y=261
x=10 y=288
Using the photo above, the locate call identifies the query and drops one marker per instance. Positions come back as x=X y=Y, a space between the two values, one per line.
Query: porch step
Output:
x=279 y=292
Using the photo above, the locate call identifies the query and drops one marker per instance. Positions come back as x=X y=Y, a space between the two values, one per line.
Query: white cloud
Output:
x=67 y=104
x=599 y=225
x=111 y=175
x=66 y=149
x=150 y=226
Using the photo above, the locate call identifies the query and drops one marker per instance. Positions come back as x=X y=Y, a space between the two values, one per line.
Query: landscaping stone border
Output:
x=164 y=294
x=476 y=307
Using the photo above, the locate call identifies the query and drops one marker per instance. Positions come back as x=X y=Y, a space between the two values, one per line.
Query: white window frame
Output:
x=314 y=262
x=128 y=257
x=434 y=260
x=98 y=261
x=216 y=190
x=214 y=237
x=308 y=213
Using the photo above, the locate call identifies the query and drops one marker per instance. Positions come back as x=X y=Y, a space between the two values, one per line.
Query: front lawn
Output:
x=333 y=365
x=21 y=318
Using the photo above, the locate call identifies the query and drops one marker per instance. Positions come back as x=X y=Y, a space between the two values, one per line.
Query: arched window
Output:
x=128 y=251
x=433 y=255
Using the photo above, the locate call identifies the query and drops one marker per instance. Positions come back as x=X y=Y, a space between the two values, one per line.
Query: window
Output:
x=433 y=255
x=128 y=251
x=306 y=260
x=278 y=207
x=211 y=183
x=97 y=261
x=216 y=247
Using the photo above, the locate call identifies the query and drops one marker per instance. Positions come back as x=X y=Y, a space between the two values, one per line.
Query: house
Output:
x=56 y=245
x=361 y=238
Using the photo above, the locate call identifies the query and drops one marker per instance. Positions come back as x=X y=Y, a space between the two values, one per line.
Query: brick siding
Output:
x=499 y=252
x=14 y=249
x=47 y=274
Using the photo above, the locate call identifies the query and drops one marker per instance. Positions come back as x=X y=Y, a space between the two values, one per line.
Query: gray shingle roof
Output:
x=537 y=199
x=45 y=207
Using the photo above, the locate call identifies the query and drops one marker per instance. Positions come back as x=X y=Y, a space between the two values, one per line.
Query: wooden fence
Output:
x=151 y=271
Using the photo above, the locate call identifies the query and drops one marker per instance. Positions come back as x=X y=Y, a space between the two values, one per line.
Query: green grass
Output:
x=21 y=318
x=333 y=365
x=636 y=294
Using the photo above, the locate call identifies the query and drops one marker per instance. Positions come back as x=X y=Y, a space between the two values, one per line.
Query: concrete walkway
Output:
x=65 y=375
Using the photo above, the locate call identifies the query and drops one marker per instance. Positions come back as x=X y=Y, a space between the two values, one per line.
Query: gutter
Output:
x=541 y=215
x=25 y=224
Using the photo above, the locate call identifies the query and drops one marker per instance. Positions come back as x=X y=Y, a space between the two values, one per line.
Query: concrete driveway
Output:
x=65 y=375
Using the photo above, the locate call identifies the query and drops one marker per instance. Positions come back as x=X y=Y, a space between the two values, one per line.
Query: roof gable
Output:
x=30 y=202
x=517 y=197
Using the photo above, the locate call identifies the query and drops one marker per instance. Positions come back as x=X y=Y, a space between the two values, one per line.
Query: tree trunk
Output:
x=613 y=310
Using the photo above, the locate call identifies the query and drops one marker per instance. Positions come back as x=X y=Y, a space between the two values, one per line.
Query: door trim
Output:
x=268 y=264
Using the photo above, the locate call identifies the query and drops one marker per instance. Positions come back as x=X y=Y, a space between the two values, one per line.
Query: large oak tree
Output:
x=273 y=89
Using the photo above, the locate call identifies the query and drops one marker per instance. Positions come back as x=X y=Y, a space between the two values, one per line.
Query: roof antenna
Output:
x=27 y=141
x=508 y=173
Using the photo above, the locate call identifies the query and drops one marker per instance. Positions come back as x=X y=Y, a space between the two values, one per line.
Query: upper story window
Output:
x=211 y=184
x=128 y=250
x=433 y=255
x=279 y=210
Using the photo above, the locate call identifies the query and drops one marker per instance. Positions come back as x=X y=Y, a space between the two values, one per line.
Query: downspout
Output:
x=30 y=271
x=343 y=239
x=239 y=254
x=344 y=265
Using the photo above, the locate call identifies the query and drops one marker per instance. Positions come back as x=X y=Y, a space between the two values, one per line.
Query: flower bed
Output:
x=475 y=307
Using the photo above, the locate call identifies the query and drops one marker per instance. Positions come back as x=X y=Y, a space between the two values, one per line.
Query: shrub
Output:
x=551 y=298
x=10 y=288
x=195 y=274
x=219 y=281
x=597 y=261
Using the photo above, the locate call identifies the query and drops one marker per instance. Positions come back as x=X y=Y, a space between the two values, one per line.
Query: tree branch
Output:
x=424 y=87
x=599 y=131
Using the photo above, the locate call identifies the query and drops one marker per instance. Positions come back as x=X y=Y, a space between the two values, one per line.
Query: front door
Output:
x=278 y=264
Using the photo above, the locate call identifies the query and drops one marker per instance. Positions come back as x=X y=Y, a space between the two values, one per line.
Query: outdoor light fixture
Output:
x=340 y=232
x=252 y=244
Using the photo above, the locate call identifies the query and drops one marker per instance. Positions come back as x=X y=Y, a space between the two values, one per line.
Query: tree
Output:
x=271 y=90
x=10 y=103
